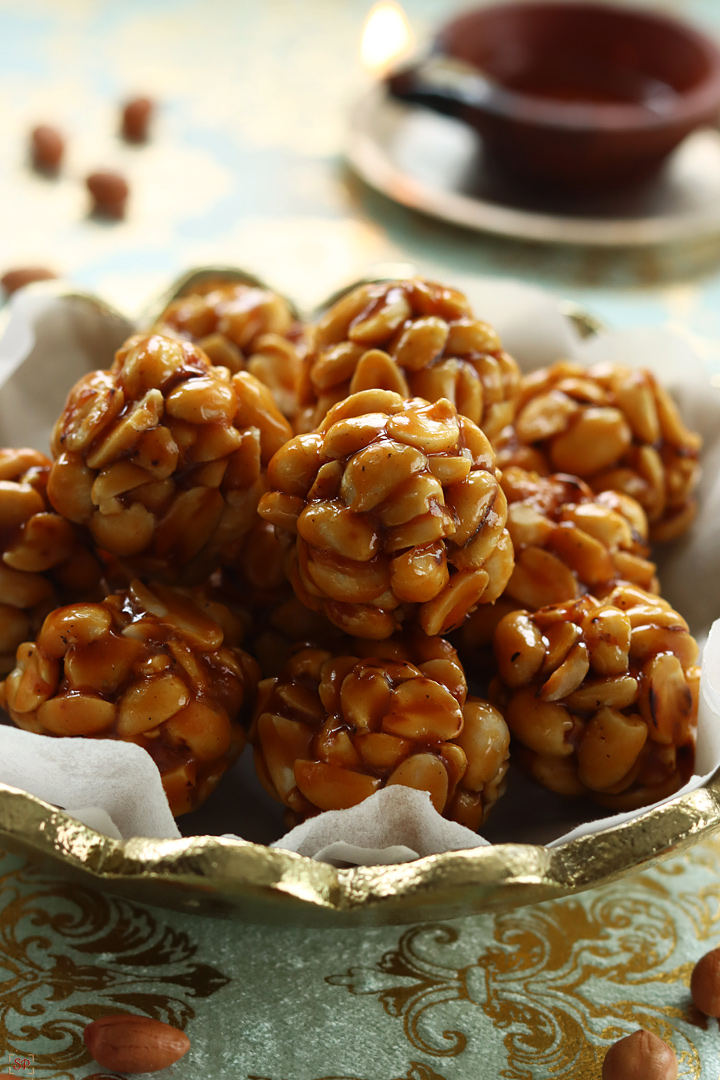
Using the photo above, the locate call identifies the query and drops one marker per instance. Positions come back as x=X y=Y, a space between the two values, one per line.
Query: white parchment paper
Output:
x=50 y=341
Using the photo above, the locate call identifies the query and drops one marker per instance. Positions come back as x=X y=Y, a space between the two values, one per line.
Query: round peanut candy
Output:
x=396 y=511
x=600 y=696
x=163 y=457
x=243 y=328
x=568 y=540
x=618 y=429
x=44 y=559
x=157 y=666
x=417 y=338
x=338 y=724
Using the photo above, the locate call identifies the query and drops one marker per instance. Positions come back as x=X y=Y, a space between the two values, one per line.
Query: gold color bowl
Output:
x=253 y=883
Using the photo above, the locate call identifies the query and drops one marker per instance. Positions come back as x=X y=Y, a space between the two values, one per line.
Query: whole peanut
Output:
x=136 y=117
x=705 y=983
x=640 y=1056
x=47 y=147
x=109 y=191
x=20 y=276
x=134 y=1044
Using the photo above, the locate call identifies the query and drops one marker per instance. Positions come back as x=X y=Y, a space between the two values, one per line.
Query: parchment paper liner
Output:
x=259 y=883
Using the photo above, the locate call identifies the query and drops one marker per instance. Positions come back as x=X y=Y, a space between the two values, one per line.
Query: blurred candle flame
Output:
x=386 y=37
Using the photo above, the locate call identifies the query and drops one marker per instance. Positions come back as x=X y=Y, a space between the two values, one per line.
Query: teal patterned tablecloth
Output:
x=246 y=167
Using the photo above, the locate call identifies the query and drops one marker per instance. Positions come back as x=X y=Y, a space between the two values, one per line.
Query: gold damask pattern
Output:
x=69 y=956
x=416 y=1071
x=560 y=981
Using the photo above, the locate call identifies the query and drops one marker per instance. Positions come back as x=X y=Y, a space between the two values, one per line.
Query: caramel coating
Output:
x=640 y=1056
x=414 y=337
x=244 y=328
x=615 y=427
x=569 y=540
x=44 y=560
x=338 y=725
x=396 y=511
x=163 y=457
x=160 y=667
x=601 y=696
x=705 y=983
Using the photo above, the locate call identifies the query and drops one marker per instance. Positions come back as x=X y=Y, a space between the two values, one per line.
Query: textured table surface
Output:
x=246 y=167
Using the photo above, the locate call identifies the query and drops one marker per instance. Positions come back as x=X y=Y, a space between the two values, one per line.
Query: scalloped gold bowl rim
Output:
x=251 y=882
x=222 y=876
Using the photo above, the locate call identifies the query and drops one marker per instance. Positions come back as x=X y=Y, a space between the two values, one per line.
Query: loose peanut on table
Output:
x=395 y=510
x=109 y=191
x=47 y=148
x=640 y=1056
x=157 y=666
x=136 y=117
x=243 y=328
x=132 y=1044
x=600 y=695
x=163 y=457
x=416 y=338
x=615 y=427
x=18 y=278
x=705 y=983
x=338 y=724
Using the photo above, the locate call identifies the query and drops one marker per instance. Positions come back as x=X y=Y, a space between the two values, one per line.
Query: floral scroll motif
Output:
x=416 y=1071
x=561 y=981
x=88 y=955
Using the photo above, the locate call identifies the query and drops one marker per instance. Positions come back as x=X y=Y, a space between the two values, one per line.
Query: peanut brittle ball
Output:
x=569 y=540
x=615 y=427
x=397 y=512
x=416 y=338
x=244 y=328
x=157 y=666
x=163 y=457
x=336 y=726
x=44 y=559
x=601 y=696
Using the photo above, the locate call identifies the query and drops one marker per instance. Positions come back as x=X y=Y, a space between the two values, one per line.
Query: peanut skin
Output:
x=705 y=983
x=134 y=1044
x=640 y=1056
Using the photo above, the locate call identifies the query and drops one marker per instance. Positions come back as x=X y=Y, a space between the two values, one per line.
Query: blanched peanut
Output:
x=520 y=649
x=334 y=727
x=425 y=772
x=609 y=748
x=542 y=726
x=149 y=665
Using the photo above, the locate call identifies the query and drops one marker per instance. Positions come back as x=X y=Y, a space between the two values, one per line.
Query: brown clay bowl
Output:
x=578 y=95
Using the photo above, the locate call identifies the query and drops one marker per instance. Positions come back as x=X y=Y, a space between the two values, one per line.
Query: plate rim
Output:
x=367 y=159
